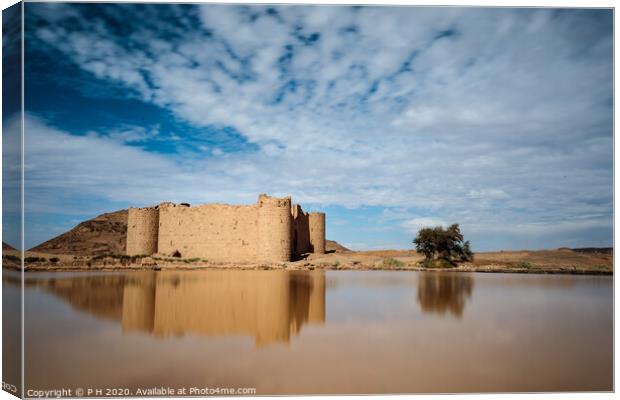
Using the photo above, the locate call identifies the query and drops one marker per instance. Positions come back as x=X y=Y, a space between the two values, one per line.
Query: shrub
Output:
x=443 y=244
x=439 y=263
x=392 y=262
x=522 y=264
x=54 y=260
x=11 y=257
x=34 y=259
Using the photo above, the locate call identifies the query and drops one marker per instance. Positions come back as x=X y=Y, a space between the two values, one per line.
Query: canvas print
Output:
x=255 y=199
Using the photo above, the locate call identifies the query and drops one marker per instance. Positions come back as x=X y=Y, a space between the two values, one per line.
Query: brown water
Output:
x=332 y=332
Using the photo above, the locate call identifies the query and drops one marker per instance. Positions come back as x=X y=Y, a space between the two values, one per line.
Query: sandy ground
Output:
x=543 y=261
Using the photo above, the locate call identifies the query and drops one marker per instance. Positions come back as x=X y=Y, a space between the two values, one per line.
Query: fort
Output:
x=271 y=230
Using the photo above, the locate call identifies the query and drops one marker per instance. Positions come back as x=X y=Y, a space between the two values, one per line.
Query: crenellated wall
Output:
x=272 y=230
x=142 y=230
x=317 y=232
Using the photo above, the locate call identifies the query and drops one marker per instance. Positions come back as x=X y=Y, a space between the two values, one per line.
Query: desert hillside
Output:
x=331 y=246
x=107 y=234
x=104 y=234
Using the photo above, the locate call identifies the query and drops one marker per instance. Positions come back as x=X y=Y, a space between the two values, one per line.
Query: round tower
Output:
x=142 y=231
x=274 y=229
x=317 y=232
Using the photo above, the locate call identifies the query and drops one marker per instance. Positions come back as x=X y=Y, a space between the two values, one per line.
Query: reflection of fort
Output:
x=268 y=305
x=440 y=292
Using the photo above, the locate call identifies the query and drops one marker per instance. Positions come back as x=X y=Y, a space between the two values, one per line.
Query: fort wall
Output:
x=301 y=231
x=317 y=232
x=142 y=230
x=217 y=232
x=272 y=230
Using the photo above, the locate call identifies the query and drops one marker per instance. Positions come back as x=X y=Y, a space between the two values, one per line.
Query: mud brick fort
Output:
x=272 y=230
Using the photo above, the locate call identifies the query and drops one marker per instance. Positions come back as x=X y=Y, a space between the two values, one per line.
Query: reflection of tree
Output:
x=441 y=293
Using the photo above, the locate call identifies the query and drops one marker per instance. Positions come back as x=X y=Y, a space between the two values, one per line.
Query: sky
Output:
x=388 y=119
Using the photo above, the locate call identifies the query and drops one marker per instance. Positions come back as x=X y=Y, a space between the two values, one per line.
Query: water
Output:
x=314 y=332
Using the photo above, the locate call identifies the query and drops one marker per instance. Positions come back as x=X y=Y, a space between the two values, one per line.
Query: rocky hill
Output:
x=335 y=247
x=107 y=234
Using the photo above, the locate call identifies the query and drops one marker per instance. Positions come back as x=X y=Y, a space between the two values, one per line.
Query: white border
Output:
x=477 y=3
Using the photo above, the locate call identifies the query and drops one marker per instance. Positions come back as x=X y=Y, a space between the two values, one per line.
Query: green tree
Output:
x=443 y=246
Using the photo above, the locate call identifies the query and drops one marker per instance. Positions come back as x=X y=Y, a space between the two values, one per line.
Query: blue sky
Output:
x=386 y=118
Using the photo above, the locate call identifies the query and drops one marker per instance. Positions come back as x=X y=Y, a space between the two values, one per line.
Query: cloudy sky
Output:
x=386 y=118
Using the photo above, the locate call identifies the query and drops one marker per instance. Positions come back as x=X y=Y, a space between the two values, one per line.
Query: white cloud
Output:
x=489 y=193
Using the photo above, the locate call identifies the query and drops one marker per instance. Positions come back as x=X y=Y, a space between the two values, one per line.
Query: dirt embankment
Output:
x=544 y=261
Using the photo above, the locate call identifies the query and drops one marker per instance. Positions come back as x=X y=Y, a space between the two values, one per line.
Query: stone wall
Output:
x=272 y=230
x=142 y=230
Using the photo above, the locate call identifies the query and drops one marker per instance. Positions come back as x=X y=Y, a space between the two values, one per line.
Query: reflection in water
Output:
x=440 y=292
x=11 y=330
x=268 y=305
x=99 y=295
x=557 y=328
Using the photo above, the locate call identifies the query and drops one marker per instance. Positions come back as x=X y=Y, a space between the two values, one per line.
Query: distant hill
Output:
x=602 y=250
x=333 y=246
x=11 y=258
x=104 y=234
x=107 y=234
